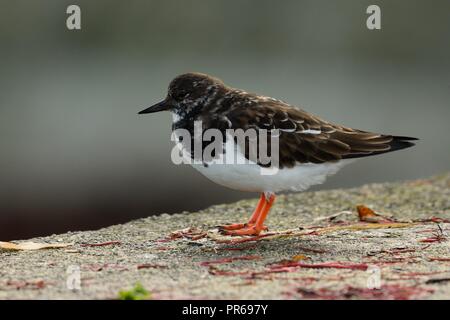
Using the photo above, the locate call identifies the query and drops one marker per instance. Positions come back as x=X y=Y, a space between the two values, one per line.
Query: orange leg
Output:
x=254 y=230
x=252 y=220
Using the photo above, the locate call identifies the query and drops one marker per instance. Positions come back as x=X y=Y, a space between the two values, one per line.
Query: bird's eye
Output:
x=179 y=95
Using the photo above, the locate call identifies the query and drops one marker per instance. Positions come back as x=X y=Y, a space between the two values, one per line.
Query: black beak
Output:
x=161 y=106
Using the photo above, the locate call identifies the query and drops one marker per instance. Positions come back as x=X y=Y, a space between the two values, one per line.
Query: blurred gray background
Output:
x=75 y=155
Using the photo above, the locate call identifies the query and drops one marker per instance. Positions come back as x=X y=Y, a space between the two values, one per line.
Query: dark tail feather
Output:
x=399 y=143
x=405 y=138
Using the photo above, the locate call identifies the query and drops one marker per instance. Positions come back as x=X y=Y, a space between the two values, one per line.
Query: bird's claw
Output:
x=243 y=229
x=232 y=226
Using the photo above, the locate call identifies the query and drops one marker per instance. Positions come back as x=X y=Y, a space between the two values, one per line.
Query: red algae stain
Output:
x=435 y=219
x=218 y=272
x=386 y=292
x=336 y=265
x=439 y=259
x=228 y=260
x=433 y=239
x=286 y=266
x=151 y=266
x=20 y=284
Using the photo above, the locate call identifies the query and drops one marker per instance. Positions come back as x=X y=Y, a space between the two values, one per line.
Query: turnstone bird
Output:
x=310 y=148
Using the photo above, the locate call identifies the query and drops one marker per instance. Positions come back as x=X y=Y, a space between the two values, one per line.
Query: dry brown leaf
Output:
x=31 y=245
x=368 y=215
x=299 y=257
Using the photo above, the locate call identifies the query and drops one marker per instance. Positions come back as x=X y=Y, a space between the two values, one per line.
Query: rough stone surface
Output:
x=412 y=258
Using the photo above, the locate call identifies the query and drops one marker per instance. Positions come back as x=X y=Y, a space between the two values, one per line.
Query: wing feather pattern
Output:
x=305 y=138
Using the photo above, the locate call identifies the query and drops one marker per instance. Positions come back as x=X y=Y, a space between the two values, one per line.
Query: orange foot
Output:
x=255 y=225
x=233 y=226
x=250 y=230
x=237 y=226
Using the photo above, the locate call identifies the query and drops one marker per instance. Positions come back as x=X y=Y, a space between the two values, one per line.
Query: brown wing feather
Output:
x=306 y=138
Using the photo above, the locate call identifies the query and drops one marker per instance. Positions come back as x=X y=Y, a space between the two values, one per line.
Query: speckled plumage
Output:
x=304 y=138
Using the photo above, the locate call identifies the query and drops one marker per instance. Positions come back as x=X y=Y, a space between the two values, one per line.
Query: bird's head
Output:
x=188 y=92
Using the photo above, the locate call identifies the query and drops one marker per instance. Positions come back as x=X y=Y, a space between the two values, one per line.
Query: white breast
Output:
x=248 y=177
